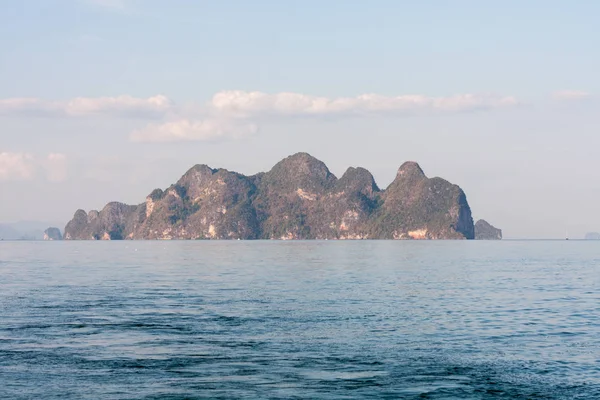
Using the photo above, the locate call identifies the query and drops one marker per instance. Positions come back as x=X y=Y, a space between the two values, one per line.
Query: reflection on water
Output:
x=366 y=319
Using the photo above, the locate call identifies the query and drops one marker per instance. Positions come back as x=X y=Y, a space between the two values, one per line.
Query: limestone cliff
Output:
x=299 y=198
x=416 y=207
x=52 y=233
x=115 y=221
x=485 y=231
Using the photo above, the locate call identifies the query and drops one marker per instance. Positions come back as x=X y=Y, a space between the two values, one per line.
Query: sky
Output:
x=105 y=100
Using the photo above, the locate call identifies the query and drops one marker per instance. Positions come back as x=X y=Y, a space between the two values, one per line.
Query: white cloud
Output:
x=25 y=166
x=189 y=130
x=246 y=104
x=120 y=106
x=16 y=166
x=56 y=167
x=240 y=104
x=229 y=114
x=570 y=95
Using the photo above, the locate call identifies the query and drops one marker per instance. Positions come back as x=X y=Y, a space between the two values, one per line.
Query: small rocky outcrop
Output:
x=592 y=236
x=299 y=198
x=52 y=233
x=485 y=231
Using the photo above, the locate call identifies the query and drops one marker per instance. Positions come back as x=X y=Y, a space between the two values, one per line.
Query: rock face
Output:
x=420 y=208
x=114 y=222
x=592 y=236
x=299 y=198
x=485 y=231
x=52 y=234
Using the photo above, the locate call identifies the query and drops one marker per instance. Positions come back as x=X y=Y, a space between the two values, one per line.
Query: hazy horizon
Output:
x=105 y=100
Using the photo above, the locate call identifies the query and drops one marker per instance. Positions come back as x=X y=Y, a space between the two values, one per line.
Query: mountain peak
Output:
x=358 y=179
x=304 y=161
x=197 y=172
x=300 y=170
x=410 y=168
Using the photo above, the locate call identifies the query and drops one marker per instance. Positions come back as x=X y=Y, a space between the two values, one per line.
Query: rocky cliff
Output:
x=485 y=231
x=299 y=198
x=52 y=233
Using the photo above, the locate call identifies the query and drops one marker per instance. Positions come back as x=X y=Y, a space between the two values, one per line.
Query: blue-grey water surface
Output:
x=314 y=320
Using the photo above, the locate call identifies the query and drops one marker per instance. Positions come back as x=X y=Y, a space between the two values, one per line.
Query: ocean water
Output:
x=306 y=320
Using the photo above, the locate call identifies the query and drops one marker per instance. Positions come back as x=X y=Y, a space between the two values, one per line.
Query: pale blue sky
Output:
x=504 y=99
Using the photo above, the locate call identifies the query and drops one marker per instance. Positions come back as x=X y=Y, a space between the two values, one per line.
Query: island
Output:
x=52 y=233
x=299 y=198
x=485 y=231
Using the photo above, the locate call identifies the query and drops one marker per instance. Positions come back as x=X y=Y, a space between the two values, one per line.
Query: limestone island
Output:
x=299 y=198
x=485 y=231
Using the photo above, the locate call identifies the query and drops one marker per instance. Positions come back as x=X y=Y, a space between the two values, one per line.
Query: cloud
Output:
x=247 y=104
x=190 y=130
x=120 y=106
x=25 y=166
x=241 y=104
x=16 y=166
x=232 y=114
x=568 y=95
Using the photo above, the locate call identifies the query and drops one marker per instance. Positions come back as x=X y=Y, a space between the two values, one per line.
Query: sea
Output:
x=300 y=320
